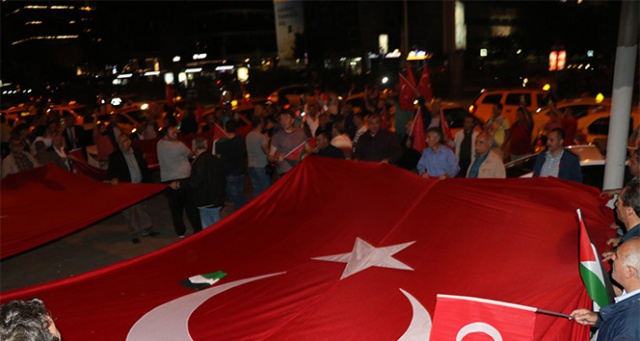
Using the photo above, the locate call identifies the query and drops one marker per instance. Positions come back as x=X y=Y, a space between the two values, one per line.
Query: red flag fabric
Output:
x=470 y=318
x=47 y=203
x=149 y=150
x=407 y=91
x=349 y=271
x=424 y=86
x=218 y=132
x=417 y=131
x=169 y=93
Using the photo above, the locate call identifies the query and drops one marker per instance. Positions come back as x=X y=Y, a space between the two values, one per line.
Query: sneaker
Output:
x=181 y=236
x=135 y=240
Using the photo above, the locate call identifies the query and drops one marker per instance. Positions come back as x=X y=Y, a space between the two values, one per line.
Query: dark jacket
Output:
x=569 y=166
x=619 y=321
x=207 y=181
x=79 y=140
x=330 y=151
x=118 y=166
x=385 y=145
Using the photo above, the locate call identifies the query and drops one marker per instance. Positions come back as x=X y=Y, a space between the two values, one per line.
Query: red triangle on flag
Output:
x=407 y=90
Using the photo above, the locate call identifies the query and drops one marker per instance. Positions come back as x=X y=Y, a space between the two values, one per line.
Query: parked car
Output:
x=594 y=128
x=80 y=112
x=293 y=93
x=128 y=117
x=25 y=112
x=16 y=113
x=581 y=107
x=482 y=105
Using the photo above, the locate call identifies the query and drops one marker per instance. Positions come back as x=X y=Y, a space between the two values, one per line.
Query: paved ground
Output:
x=103 y=243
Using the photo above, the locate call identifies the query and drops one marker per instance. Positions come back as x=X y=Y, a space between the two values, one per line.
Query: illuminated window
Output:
x=33 y=23
x=60 y=37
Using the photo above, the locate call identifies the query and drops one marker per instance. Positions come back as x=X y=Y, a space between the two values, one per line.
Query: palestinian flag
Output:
x=591 y=268
x=199 y=282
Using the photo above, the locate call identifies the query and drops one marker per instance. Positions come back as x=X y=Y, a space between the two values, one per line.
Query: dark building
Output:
x=46 y=40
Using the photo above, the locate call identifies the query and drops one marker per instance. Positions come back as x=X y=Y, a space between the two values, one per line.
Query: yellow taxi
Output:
x=580 y=107
x=482 y=105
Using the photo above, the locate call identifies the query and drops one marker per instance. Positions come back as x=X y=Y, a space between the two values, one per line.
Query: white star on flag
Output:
x=365 y=255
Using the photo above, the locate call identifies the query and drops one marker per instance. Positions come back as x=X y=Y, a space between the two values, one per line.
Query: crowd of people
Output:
x=272 y=140
x=278 y=136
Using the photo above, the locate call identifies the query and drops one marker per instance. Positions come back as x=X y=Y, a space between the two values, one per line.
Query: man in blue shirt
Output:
x=437 y=161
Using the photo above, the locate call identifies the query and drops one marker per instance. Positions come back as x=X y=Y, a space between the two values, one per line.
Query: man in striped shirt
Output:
x=557 y=161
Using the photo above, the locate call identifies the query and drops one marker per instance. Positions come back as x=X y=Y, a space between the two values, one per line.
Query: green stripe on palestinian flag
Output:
x=202 y=281
x=591 y=268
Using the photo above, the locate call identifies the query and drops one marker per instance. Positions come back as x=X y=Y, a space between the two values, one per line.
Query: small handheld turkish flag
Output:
x=470 y=318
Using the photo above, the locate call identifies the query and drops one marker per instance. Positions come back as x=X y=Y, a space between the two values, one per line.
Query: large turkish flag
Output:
x=347 y=250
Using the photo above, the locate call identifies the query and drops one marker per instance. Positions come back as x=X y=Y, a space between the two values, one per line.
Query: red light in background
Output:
x=553 y=61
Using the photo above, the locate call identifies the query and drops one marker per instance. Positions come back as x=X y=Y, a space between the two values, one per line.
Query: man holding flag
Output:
x=289 y=145
x=619 y=321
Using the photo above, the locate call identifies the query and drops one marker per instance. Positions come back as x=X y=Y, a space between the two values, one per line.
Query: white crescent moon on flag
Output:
x=170 y=321
x=479 y=327
x=420 y=326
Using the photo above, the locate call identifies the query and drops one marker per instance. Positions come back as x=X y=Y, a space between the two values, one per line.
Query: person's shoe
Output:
x=151 y=234
x=135 y=240
x=181 y=236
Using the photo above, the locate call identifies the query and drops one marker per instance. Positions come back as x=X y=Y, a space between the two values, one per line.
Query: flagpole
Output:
x=552 y=313
x=296 y=148
x=407 y=81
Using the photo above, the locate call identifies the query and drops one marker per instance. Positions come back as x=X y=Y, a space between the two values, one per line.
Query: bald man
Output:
x=485 y=163
x=621 y=320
